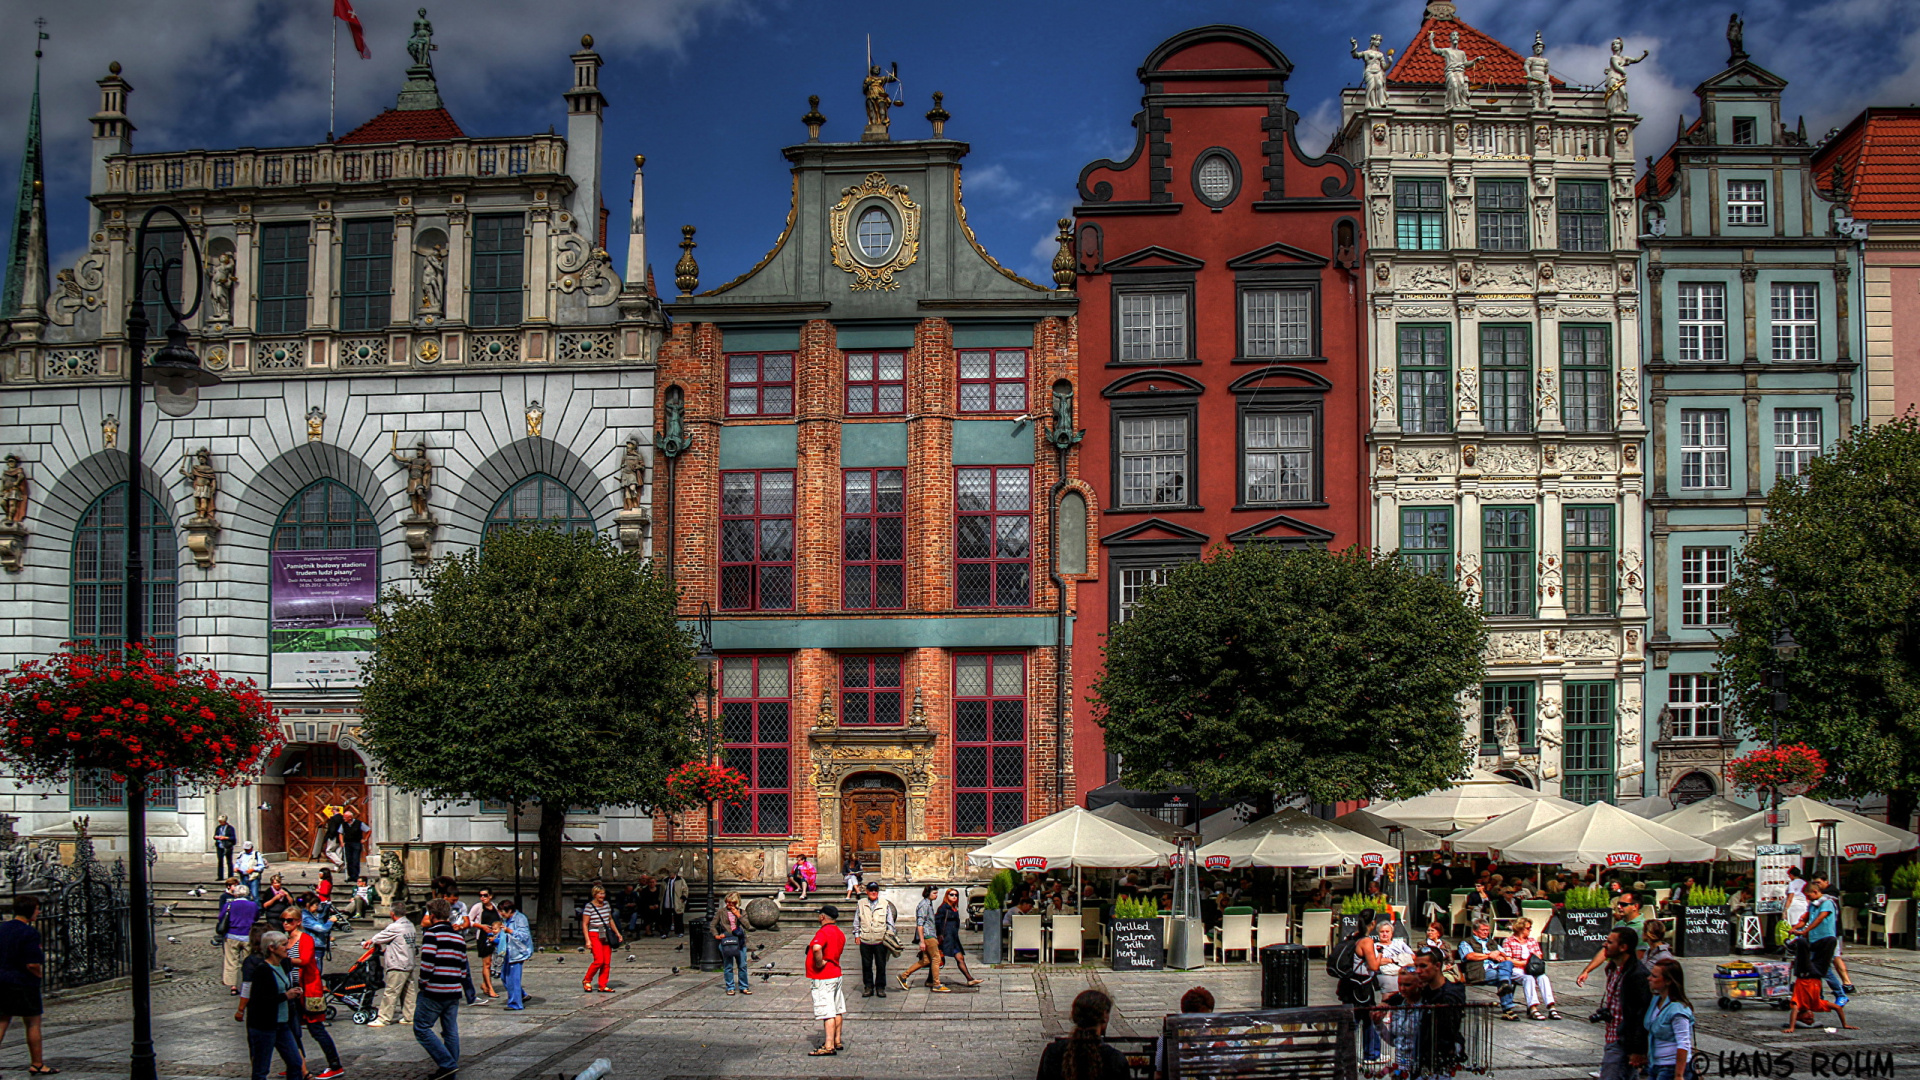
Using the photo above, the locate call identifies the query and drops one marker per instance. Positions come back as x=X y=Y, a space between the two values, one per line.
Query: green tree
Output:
x=1334 y=676
x=541 y=667
x=1837 y=562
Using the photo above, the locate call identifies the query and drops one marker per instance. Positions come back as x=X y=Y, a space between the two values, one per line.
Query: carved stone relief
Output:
x=1514 y=648
x=1425 y=278
x=1589 y=644
x=1429 y=461
x=1508 y=459
x=1586 y=458
x=1580 y=277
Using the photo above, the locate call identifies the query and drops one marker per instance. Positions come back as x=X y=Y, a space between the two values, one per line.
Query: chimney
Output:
x=584 y=149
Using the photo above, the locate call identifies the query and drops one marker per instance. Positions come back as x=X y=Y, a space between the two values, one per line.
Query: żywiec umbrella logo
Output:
x=1863 y=851
x=1218 y=862
x=1030 y=862
x=1176 y=859
x=1624 y=858
x=1373 y=859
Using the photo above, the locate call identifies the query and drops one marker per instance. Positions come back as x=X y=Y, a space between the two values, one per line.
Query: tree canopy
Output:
x=1255 y=671
x=1837 y=562
x=540 y=667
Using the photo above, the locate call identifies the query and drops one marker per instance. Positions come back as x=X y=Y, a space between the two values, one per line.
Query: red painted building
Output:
x=1222 y=371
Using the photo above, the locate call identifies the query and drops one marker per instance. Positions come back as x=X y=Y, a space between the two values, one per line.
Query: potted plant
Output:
x=1136 y=935
x=1350 y=909
x=991 y=942
x=1789 y=770
x=1588 y=917
x=1705 y=924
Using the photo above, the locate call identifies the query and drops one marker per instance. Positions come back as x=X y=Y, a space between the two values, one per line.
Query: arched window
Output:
x=540 y=498
x=324 y=516
x=100 y=572
x=324 y=573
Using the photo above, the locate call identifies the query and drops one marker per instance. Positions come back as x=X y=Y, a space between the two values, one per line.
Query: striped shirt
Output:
x=443 y=961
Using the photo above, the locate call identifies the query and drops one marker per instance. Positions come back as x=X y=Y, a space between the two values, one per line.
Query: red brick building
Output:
x=857 y=478
x=1221 y=335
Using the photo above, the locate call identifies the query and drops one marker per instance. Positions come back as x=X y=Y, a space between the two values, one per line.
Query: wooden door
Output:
x=868 y=816
x=305 y=802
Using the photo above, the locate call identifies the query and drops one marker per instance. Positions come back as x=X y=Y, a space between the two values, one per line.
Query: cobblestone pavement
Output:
x=663 y=1023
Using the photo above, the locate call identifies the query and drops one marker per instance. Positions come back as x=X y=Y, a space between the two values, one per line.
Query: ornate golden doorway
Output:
x=873 y=808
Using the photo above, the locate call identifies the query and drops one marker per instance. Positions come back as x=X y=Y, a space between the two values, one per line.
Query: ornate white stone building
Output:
x=408 y=285
x=1506 y=395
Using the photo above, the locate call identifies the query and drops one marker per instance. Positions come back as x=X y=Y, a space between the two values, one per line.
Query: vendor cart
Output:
x=1759 y=981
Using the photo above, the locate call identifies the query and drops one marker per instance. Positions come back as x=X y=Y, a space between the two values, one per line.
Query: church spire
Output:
x=26 y=285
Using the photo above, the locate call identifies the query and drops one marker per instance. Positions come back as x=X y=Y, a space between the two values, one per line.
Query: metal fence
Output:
x=85 y=916
x=1417 y=1042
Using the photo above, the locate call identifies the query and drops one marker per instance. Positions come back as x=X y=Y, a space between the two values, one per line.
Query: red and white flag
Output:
x=343 y=10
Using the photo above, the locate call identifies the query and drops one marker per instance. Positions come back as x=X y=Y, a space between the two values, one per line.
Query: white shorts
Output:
x=828 y=1000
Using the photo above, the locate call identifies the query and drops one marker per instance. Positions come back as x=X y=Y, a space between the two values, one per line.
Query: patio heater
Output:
x=1826 y=846
x=1186 y=937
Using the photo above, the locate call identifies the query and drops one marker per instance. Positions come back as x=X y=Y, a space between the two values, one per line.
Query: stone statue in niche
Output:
x=420 y=45
x=1456 y=62
x=1617 y=65
x=535 y=414
x=198 y=470
x=633 y=475
x=316 y=424
x=1374 y=78
x=1539 y=77
x=673 y=440
x=14 y=491
x=1061 y=435
x=221 y=279
x=109 y=431
x=419 y=475
x=433 y=280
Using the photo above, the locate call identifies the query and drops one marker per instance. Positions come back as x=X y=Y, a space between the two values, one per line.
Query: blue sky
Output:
x=710 y=90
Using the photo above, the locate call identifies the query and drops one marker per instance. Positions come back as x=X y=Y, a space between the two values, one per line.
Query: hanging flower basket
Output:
x=134 y=710
x=1792 y=770
x=698 y=782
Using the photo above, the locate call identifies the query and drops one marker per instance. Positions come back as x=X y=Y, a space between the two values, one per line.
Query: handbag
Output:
x=892 y=944
x=315 y=1005
x=1536 y=966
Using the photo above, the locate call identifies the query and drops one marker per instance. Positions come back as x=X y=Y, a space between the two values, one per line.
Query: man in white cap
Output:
x=250 y=866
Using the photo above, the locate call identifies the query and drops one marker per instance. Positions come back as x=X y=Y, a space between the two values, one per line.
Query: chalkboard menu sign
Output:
x=1705 y=931
x=1586 y=933
x=1137 y=945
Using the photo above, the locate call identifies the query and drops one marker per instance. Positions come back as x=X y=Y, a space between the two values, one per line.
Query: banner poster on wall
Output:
x=318 y=632
x=1770 y=865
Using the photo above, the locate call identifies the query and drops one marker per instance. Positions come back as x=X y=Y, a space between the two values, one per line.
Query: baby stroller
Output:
x=357 y=988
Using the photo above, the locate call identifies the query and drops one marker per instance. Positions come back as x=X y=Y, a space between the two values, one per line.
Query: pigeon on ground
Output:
x=677 y=948
x=171 y=940
x=559 y=959
x=197 y=890
x=769 y=965
x=629 y=958
x=581 y=948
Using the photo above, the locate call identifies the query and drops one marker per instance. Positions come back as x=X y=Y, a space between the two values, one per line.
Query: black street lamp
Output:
x=707 y=660
x=1784 y=649
x=176 y=376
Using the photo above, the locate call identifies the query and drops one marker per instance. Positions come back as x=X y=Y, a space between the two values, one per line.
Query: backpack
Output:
x=1345 y=963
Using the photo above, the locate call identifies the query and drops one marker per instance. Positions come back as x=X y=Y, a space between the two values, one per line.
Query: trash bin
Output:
x=703 y=952
x=1283 y=977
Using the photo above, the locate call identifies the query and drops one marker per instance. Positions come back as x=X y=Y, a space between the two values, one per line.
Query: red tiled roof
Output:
x=1880 y=154
x=1420 y=66
x=1662 y=172
x=411 y=125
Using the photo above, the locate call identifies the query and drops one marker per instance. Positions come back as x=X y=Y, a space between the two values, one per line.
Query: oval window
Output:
x=1215 y=179
x=875 y=233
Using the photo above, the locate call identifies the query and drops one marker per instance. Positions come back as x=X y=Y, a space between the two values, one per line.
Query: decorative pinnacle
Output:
x=1063 y=261
x=113 y=68
x=686 y=273
x=938 y=116
x=813 y=119
x=639 y=161
x=586 y=41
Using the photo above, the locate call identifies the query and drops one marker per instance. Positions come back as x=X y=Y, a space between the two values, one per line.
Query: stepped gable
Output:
x=1879 y=155
x=1417 y=65
x=406 y=125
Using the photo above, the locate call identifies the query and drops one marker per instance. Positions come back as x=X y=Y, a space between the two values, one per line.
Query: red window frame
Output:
x=873 y=539
x=871 y=389
x=756 y=571
x=989 y=743
x=993 y=537
x=988 y=383
x=872 y=689
x=760 y=384
x=756 y=732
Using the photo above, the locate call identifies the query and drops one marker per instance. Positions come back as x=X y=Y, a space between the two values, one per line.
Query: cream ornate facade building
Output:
x=420 y=337
x=1506 y=416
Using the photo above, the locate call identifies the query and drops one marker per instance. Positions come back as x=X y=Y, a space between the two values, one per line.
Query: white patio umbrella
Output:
x=1705 y=816
x=1474 y=801
x=1513 y=825
x=1374 y=827
x=1858 y=837
x=1605 y=835
x=1294 y=838
x=1650 y=807
x=1140 y=821
x=1075 y=837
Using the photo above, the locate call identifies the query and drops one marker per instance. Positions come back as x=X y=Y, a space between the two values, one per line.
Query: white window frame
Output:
x=1286 y=324
x=1696 y=707
x=1796 y=440
x=1705 y=461
x=1135 y=580
x=1794 y=320
x=1746 y=202
x=1700 y=308
x=1144 y=469
x=1703 y=582
x=1153 y=325
x=1290 y=465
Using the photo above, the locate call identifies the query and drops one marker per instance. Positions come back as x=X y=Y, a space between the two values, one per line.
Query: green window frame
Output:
x=539 y=500
x=1502 y=214
x=326 y=515
x=1426 y=540
x=282 y=305
x=366 y=274
x=1589 y=559
x=97 y=589
x=164 y=249
x=1586 y=378
x=1420 y=219
x=1583 y=215
x=498 y=267
x=1495 y=697
x=1506 y=378
x=1588 y=762
x=1507 y=560
x=1426 y=371
x=96 y=789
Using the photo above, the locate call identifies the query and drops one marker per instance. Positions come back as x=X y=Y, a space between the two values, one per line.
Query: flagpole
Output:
x=333 y=72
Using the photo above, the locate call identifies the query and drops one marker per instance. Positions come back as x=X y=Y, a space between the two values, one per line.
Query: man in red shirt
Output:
x=823 y=970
